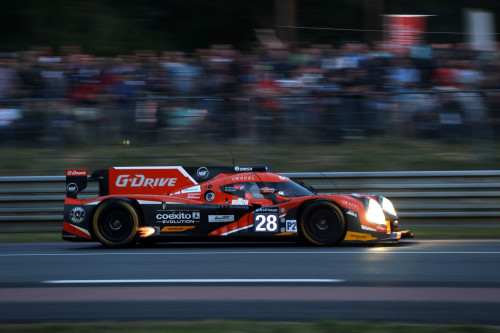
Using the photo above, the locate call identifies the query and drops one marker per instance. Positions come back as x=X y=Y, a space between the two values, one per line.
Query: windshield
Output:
x=292 y=189
x=250 y=190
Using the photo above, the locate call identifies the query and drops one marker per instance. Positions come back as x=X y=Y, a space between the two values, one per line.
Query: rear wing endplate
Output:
x=76 y=181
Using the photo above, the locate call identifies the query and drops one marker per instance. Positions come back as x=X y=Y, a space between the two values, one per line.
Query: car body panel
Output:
x=241 y=202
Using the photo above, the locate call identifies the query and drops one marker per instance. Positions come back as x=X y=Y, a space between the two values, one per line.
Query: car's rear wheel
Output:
x=323 y=223
x=115 y=223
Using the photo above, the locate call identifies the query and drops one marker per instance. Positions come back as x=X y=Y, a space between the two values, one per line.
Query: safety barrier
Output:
x=436 y=198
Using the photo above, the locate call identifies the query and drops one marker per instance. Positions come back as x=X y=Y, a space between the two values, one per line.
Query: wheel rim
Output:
x=116 y=225
x=323 y=225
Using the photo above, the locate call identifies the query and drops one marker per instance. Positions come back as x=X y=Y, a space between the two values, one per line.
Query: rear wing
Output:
x=147 y=180
x=76 y=181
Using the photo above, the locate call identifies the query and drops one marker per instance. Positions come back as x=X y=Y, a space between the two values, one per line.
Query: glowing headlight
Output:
x=374 y=212
x=388 y=207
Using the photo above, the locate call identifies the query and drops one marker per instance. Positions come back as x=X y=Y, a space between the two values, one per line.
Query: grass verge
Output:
x=243 y=327
x=368 y=155
x=455 y=232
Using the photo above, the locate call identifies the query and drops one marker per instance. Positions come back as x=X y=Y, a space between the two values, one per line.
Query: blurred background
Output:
x=302 y=85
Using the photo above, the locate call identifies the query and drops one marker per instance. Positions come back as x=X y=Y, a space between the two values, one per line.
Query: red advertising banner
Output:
x=403 y=30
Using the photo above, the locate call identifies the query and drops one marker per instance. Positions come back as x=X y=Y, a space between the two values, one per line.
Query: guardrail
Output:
x=436 y=198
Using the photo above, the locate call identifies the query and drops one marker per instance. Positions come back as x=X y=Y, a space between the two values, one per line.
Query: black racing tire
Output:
x=323 y=223
x=115 y=223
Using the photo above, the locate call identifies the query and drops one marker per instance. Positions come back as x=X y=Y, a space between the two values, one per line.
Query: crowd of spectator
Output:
x=314 y=92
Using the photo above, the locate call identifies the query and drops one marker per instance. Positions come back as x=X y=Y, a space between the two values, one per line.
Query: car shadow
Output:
x=246 y=245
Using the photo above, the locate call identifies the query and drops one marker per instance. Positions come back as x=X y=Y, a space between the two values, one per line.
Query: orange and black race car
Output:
x=237 y=203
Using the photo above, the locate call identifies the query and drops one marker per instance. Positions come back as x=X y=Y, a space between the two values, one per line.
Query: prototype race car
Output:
x=238 y=203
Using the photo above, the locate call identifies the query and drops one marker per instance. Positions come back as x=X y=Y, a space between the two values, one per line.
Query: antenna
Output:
x=230 y=152
x=336 y=188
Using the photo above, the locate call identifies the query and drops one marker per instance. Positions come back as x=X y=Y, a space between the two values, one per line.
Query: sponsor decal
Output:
x=267 y=210
x=202 y=173
x=77 y=215
x=243 y=178
x=195 y=196
x=358 y=236
x=148 y=180
x=72 y=188
x=284 y=178
x=70 y=173
x=381 y=228
x=192 y=189
x=175 y=216
x=177 y=228
x=178 y=216
x=352 y=213
x=239 y=202
x=243 y=168
x=291 y=226
x=350 y=205
x=220 y=218
x=142 y=181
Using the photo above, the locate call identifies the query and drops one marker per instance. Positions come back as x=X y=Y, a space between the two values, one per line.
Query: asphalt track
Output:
x=414 y=281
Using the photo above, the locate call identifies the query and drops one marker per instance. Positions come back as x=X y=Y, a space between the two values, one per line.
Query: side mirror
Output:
x=267 y=190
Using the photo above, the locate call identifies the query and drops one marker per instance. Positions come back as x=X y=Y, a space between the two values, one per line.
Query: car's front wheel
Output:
x=115 y=223
x=323 y=223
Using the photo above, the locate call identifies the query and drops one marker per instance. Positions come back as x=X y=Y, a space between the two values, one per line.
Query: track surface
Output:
x=413 y=281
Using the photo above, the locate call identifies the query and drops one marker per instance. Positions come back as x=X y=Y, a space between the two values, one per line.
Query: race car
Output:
x=173 y=203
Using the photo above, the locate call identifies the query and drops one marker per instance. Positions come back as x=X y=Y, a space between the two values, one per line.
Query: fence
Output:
x=448 y=198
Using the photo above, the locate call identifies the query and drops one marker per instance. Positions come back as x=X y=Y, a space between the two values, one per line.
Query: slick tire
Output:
x=115 y=223
x=323 y=224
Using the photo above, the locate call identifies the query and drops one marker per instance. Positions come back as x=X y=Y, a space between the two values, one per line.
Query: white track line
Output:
x=195 y=281
x=166 y=253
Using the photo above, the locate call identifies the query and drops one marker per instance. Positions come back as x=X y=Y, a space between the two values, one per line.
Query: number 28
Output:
x=266 y=222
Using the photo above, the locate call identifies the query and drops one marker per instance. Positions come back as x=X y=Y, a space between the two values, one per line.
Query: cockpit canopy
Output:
x=255 y=189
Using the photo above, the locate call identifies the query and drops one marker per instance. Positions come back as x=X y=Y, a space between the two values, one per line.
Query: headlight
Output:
x=388 y=207
x=375 y=213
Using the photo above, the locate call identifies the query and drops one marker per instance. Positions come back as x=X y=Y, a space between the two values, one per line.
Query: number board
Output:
x=266 y=219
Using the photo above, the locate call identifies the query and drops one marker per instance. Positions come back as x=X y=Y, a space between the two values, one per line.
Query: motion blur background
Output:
x=102 y=83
